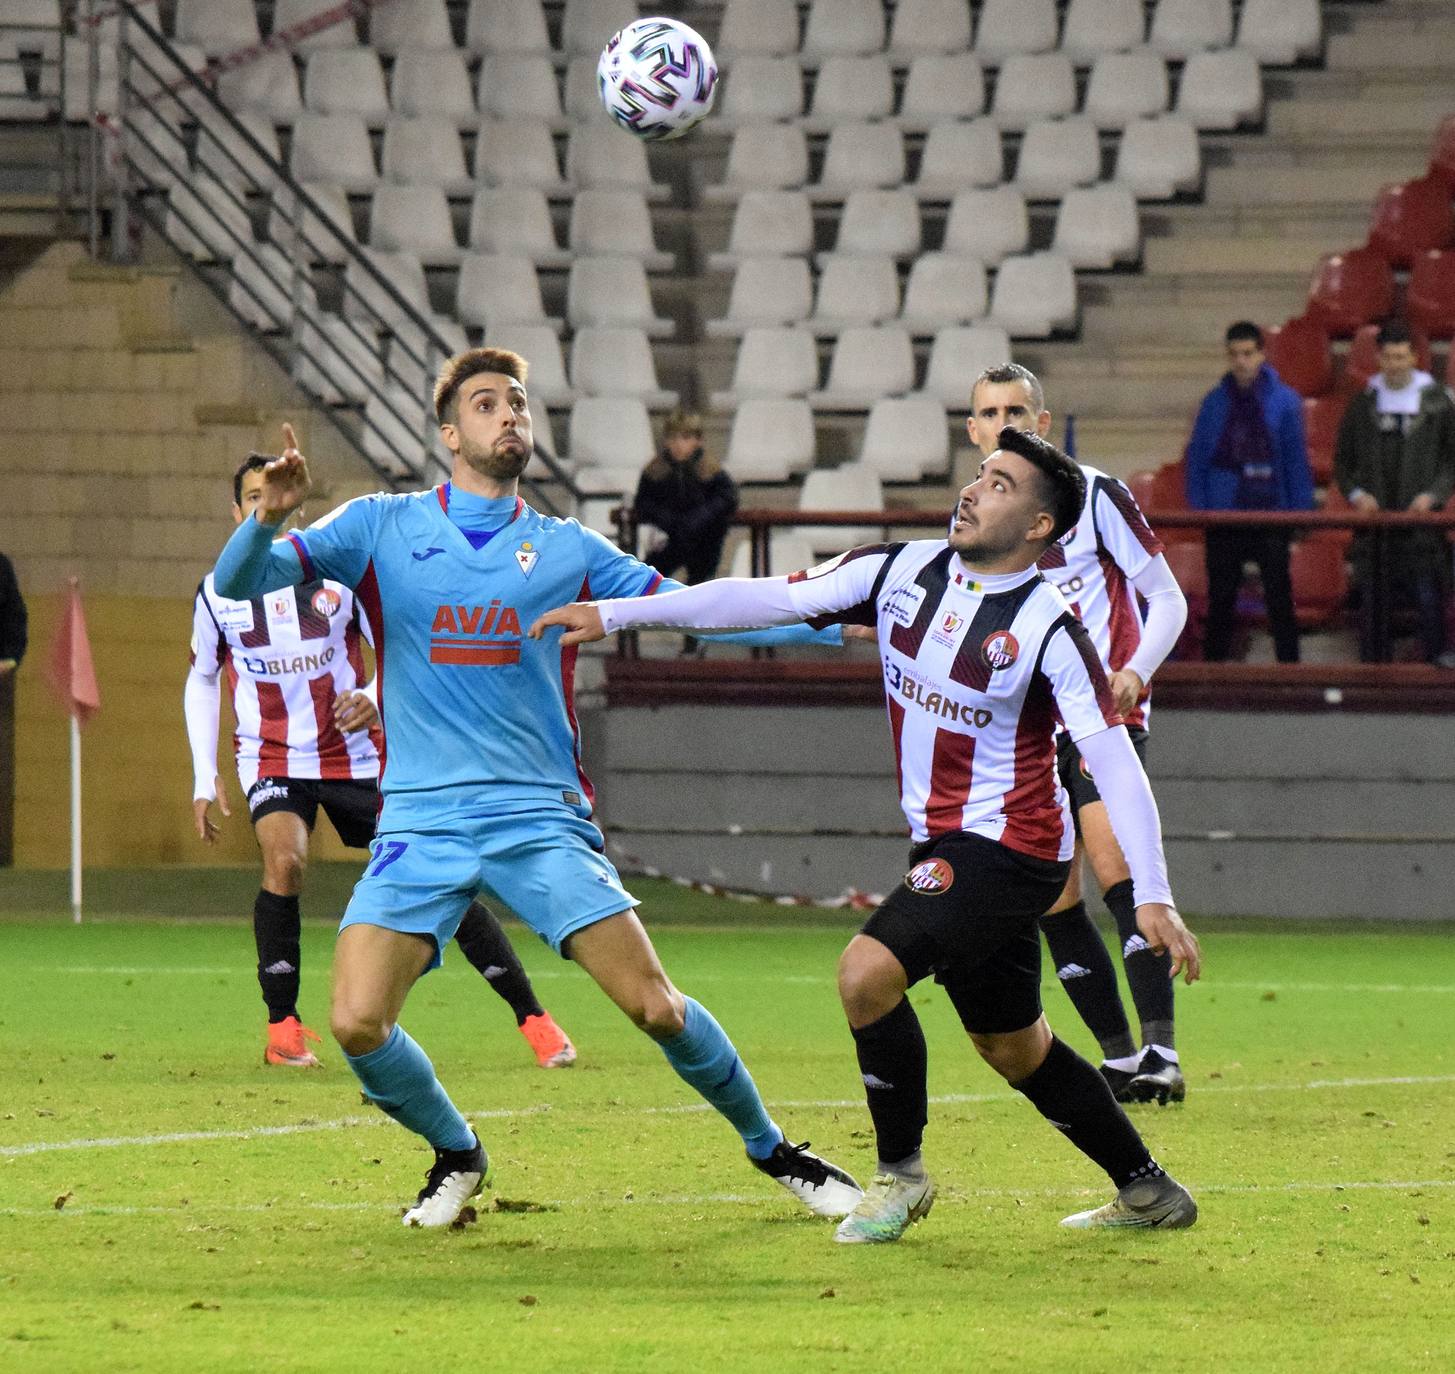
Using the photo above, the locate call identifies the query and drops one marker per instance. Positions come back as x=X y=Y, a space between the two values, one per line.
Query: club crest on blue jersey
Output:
x=526 y=557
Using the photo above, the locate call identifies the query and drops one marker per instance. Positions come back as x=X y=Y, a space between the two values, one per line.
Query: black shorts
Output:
x=352 y=804
x=967 y=912
x=1079 y=784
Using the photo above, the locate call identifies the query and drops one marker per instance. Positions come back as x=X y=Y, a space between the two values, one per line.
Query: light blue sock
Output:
x=399 y=1078
x=704 y=1057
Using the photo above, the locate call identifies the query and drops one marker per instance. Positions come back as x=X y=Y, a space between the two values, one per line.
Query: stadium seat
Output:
x=770 y=440
x=333 y=148
x=1008 y=27
x=1321 y=417
x=958 y=153
x=943 y=289
x=617 y=362
x=1320 y=580
x=988 y=224
x=289 y=224
x=367 y=300
x=263 y=286
x=606 y=222
x=613 y=291
x=216 y=26
x=771 y=362
x=581 y=96
x=758 y=28
x=1299 y=352
x=1094 y=27
x=1140 y=484
x=1183 y=27
x=538 y=344
x=1221 y=90
x=942 y=86
x=1442 y=153
x=1361 y=362
x=1125 y=86
x=16 y=100
x=759 y=90
x=515 y=219
x=878 y=223
x=604 y=429
x=157 y=152
x=1098 y=227
x=397 y=432
x=1411 y=219
x=906 y=437
x=425 y=150
x=587 y=24
x=518 y=153
x=1157 y=158
x=1188 y=562
x=860 y=156
x=414 y=219
x=1033 y=86
x=763 y=157
x=517 y=27
x=427 y=343
x=519 y=86
x=76 y=102
x=1350 y=289
x=336 y=361
x=869 y=361
x=1057 y=155
x=419 y=24
x=787 y=552
x=1430 y=294
x=207 y=221
x=289 y=15
x=495 y=290
x=1034 y=295
x=44 y=37
x=1169 y=491
x=346 y=81
x=767 y=223
x=850 y=487
x=850 y=88
x=928 y=26
x=843 y=28
x=429 y=81
x=854 y=290
x=600 y=157
x=1279 y=32
x=269 y=84
x=228 y=156
x=765 y=291
x=159 y=82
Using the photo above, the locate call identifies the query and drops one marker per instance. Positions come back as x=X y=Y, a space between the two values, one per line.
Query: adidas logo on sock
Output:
x=873 y=1081
x=1068 y=971
x=282 y=966
x=1135 y=945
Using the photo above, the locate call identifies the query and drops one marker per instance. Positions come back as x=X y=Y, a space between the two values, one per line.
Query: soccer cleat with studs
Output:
x=551 y=1045
x=454 y=1178
x=824 y=1188
x=1119 y=1081
x=1158 y=1080
x=288 y=1044
x=887 y=1210
x=1154 y=1203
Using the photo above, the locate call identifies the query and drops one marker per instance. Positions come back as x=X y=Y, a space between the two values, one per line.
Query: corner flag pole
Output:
x=75 y=818
x=73 y=675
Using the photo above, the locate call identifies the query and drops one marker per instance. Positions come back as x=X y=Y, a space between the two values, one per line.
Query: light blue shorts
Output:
x=543 y=862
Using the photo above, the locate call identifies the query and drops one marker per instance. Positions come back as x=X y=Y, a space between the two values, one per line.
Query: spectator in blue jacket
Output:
x=1247 y=452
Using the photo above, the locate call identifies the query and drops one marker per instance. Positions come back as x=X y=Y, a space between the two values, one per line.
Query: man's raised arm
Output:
x=252 y=562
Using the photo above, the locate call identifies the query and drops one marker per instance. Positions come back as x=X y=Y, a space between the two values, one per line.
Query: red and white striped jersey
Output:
x=977 y=674
x=287 y=656
x=1093 y=565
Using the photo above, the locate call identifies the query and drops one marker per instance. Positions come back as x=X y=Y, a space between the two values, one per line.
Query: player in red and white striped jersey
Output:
x=1103 y=566
x=981 y=658
x=307 y=737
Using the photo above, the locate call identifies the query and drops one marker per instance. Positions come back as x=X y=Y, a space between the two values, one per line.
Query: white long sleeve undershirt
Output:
x=1131 y=809
x=1166 y=615
x=202 y=705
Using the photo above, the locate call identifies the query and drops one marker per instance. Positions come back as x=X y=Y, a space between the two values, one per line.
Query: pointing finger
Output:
x=290 y=440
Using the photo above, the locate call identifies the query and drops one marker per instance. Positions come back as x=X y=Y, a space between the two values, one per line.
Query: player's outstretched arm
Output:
x=251 y=563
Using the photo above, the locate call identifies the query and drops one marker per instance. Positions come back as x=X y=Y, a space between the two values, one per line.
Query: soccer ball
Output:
x=657 y=78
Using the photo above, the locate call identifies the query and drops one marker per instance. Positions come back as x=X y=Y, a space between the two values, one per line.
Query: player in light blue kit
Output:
x=481 y=774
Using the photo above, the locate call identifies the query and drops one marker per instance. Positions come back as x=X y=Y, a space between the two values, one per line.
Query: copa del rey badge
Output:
x=526 y=557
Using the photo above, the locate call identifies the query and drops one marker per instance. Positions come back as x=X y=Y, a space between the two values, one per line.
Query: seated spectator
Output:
x=1396 y=451
x=1247 y=452
x=689 y=497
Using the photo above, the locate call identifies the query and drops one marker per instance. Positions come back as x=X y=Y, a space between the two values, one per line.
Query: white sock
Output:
x=1127 y=1063
x=1169 y=1055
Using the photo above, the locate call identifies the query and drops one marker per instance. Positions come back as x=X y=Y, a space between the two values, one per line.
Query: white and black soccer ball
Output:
x=657 y=78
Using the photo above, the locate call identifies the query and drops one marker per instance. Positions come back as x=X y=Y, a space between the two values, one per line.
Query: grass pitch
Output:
x=167 y=1203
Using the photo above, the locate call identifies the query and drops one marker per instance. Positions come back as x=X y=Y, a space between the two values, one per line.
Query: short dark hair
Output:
x=1002 y=373
x=459 y=369
x=1244 y=331
x=1393 y=332
x=251 y=463
x=1063 y=484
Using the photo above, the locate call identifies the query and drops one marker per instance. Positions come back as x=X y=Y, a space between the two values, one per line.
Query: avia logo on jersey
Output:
x=475 y=636
x=930 y=877
x=1000 y=650
x=326 y=602
x=946 y=632
x=280 y=667
x=917 y=693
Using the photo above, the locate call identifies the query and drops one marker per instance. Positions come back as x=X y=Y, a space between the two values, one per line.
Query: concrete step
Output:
x=1194 y=255
x=1122 y=445
x=1351 y=185
x=1316 y=115
x=1338 y=221
x=1321 y=149
x=1184 y=309
x=1419 y=42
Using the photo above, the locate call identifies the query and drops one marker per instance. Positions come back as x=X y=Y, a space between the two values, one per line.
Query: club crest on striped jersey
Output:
x=526 y=557
x=1000 y=650
x=930 y=877
x=326 y=602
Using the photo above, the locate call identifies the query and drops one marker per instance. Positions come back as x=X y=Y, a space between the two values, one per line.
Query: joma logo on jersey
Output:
x=1000 y=650
x=478 y=636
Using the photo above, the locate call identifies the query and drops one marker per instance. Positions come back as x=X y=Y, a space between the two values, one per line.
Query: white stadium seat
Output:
x=767 y=224
x=854 y=290
x=843 y=28
x=207 y=221
x=230 y=158
x=942 y=86
x=606 y=429
x=988 y=224
x=861 y=156
x=366 y=300
x=602 y=157
x=415 y=352
x=960 y=354
x=765 y=291
x=1157 y=158
x=1055 y=155
x=397 y=433
x=763 y=157
x=425 y=150
x=587 y=24
x=757 y=90
x=393 y=28
x=1034 y=295
x=613 y=291
x=1033 y=86
x=850 y=487
x=522 y=152
x=333 y=148
x=508 y=26
x=1125 y=86
x=869 y=361
x=943 y=289
x=268 y=83
x=771 y=362
x=216 y=26
x=582 y=95
x=1015 y=26
x=413 y=219
x=959 y=153
x=1279 y=32
x=1221 y=90
x=515 y=219
x=605 y=222
x=617 y=362
x=761 y=28
x=905 y=438
x=155 y=146
x=431 y=81
x=1098 y=227
x=1183 y=27
x=289 y=15
x=541 y=348
x=1094 y=27
x=519 y=86
x=336 y=361
x=788 y=552
x=263 y=286
x=770 y=440
x=288 y=223
x=928 y=26
x=880 y=222
x=851 y=88
x=495 y=290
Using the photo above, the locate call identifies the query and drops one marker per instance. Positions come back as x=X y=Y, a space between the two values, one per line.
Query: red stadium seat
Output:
x=1412 y=218
x=1299 y=353
x=1320 y=582
x=1450 y=367
x=1189 y=566
x=1442 y=153
x=1362 y=360
x=1142 y=485
x=1166 y=489
x=1321 y=416
x=1430 y=295
x=1350 y=289
x=1333 y=500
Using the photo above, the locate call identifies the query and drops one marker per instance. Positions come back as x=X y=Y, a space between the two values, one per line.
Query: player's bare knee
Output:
x=283 y=870
x=660 y=1012
x=865 y=991
x=358 y=1030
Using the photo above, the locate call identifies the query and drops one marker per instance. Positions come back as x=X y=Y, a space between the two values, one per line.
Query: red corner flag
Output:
x=73 y=674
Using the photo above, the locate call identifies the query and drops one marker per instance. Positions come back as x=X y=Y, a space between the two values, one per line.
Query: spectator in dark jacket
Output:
x=12 y=619
x=1247 y=452
x=12 y=650
x=689 y=497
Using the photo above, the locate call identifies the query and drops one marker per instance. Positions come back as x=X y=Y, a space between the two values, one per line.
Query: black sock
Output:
x=1075 y=1099
x=486 y=946
x=1149 y=975
x=893 y=1061
x=1085 y=969
x=275 y=930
